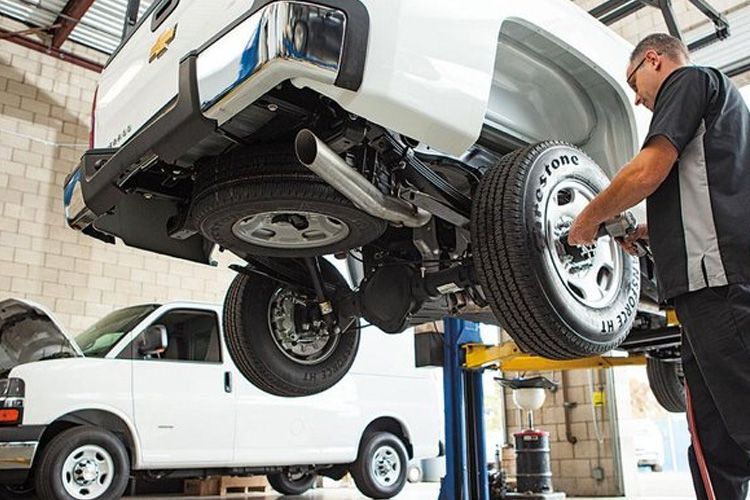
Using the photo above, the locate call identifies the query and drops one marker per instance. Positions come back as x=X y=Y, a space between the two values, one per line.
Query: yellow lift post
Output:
x=508 y=357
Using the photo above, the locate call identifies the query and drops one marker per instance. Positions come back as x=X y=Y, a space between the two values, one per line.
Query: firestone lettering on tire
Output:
x=539 y=193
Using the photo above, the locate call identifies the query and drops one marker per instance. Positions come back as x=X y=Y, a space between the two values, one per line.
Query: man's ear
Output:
x=654 y=58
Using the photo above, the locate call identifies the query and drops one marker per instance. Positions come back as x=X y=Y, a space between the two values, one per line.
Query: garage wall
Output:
x=573 y=464
x=650 y=20
x=45 y=105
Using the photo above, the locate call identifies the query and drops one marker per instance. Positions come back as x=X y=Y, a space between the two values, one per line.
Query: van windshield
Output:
x=99 y=338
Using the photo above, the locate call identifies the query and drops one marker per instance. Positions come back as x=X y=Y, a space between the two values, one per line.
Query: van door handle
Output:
x=227 y=382
x=162 y=12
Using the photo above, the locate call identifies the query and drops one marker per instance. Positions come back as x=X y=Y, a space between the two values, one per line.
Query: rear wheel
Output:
x=291 y=483
x=381 y=465
x=262 y=201
x=278 y=339
x=667 y=382
x=555 y=301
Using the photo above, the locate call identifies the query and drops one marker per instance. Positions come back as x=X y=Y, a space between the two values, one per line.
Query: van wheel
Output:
x=291 y=483
x=381 y=465
x=667 y=382
x=555 y=301
x=83 y=463
x=278 y=340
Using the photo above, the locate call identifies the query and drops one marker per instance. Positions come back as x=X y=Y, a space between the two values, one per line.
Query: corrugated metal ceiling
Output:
x=100 y=28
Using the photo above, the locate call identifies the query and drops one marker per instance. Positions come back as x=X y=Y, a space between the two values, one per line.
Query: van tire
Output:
x=667 y=383
x=55 y=457
x=259 y=356
x=548 y=304
x=388 y=449
x=284 y=483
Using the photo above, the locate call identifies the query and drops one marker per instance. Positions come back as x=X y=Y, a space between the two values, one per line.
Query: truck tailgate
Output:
x=134 y=86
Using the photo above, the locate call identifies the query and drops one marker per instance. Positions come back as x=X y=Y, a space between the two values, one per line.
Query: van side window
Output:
x=191 y=336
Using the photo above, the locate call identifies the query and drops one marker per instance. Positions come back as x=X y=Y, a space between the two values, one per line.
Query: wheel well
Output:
x=390 y=424
x=96 y=418
x=534 y=72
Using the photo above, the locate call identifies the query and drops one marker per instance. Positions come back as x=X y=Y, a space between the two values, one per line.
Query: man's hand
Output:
x=583 y=231
x=640 y=233
x=633 y=183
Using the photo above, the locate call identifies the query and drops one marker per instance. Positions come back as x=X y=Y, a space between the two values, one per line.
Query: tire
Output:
x=262 y=201
x=287 y=483
x=520 y=208
x=657 y=468
x=262 y=359
x=388 y=479
x=667 y=383
x=73 y=450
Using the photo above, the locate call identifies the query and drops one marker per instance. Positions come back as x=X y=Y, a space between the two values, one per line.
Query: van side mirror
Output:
x=153 y=340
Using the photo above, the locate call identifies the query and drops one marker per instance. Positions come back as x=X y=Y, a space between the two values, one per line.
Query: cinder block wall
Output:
x=45 y=106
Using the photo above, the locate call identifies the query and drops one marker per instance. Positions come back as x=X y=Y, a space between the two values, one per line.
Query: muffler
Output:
x=318 y=157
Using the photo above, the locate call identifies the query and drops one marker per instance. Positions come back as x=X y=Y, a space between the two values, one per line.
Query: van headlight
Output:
x=12 y=393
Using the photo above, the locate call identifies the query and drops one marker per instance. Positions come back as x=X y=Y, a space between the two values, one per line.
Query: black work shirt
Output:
x=699 y=217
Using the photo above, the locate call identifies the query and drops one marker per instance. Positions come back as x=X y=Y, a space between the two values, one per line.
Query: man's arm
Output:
x=634 y=183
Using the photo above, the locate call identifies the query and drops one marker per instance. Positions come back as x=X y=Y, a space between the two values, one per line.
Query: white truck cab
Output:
x=153 y=388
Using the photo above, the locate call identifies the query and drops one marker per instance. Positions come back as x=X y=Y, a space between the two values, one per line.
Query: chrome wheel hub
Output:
x=592 y=273
x=280 y=229
x=303 y=340
x=386 y=466
x=87 y=472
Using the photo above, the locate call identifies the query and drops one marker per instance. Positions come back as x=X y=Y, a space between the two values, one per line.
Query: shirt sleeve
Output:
x=680 y=107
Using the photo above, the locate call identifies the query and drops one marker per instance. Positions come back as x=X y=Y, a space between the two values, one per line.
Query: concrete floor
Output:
x=422 y=491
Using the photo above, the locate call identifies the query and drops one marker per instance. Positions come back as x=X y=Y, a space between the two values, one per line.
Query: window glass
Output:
x=191 y=336
x=99 y=338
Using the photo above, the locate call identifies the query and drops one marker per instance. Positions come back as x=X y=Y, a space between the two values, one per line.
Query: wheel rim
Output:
x=87 y=472
x=386 y=466
x=593 y=275
x=303 y=340
x=297 y=477
x=280 y=229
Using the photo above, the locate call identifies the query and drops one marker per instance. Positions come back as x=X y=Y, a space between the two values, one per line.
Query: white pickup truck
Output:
x=447 y=145
x=151 y=391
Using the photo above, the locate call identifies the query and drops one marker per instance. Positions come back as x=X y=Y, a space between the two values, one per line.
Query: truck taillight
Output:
x=93 y=120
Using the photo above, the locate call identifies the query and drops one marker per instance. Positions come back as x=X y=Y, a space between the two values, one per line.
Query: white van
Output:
x=152 y=390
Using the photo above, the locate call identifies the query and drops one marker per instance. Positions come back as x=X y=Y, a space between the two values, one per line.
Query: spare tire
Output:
x=261 y=200
x=552 y=301
x=667 y=382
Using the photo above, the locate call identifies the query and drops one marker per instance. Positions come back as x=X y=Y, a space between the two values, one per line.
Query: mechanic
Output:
x=694 y=172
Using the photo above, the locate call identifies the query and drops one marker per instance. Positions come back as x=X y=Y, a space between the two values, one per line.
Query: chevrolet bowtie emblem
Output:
x=162 y=43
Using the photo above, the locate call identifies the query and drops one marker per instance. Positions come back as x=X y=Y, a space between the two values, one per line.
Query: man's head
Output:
x=652 y=61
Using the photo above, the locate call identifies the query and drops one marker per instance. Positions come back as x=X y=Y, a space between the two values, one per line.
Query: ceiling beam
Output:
x=73 y=11
x=10 y=36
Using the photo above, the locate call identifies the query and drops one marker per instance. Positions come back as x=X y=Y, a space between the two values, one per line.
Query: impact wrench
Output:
x=617 y=227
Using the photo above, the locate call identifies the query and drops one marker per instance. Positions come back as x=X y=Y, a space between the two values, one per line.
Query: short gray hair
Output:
x=662 y=43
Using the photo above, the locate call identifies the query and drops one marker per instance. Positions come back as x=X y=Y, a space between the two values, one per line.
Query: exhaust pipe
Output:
x=318 y=157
